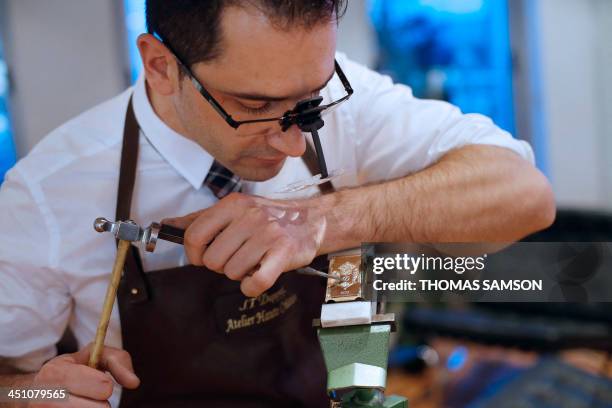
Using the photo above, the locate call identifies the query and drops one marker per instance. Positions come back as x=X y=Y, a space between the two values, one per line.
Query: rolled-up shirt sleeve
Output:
x=34 y=301
x=398 y=134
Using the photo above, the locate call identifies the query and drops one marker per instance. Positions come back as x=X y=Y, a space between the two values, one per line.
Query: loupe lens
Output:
x=306 y=115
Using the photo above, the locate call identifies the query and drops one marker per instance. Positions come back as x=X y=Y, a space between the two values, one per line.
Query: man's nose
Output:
x=292 y=142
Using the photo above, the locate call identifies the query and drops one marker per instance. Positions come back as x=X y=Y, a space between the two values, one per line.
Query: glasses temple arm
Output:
x=226 y=116
x=347 y=86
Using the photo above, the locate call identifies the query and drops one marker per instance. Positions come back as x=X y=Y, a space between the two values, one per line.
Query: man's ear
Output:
x=161 y=68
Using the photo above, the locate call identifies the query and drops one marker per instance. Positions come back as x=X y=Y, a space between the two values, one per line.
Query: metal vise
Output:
x=354 y=335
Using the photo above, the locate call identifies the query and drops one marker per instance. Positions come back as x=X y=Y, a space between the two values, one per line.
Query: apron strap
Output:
x=129 y=161
x=310 y=159
x=134 y=280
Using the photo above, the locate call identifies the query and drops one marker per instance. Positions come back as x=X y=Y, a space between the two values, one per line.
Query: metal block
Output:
x=357 y=375
x=346 y=314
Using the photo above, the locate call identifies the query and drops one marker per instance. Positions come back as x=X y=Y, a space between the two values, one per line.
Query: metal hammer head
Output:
x=130 y=231
x=123 y=230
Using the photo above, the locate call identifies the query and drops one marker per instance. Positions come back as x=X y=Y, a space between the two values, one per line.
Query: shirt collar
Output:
x=187 y=157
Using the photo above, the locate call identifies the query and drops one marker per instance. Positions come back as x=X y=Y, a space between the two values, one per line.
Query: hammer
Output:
x=128 y=232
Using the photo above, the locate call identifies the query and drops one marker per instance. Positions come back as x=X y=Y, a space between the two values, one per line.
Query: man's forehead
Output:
x=259 y=59
x=269 y=95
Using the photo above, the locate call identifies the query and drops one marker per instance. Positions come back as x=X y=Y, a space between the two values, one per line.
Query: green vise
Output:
x=356 y=360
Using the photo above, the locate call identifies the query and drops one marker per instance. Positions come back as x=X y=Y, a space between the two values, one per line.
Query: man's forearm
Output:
x=473 y=194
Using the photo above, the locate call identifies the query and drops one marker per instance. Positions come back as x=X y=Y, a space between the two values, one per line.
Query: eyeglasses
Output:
x=306 y=114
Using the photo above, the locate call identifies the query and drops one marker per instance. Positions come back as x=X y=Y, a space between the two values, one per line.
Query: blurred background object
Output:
x=135 y=22
x=457 y=51
x=7 y=148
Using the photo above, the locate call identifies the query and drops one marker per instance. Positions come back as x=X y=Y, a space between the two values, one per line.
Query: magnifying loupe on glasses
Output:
x=307 y=117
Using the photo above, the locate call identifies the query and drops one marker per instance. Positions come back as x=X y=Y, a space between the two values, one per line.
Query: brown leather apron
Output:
x=197 y=341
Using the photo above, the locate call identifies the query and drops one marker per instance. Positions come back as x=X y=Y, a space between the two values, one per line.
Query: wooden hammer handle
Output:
x=109 y=300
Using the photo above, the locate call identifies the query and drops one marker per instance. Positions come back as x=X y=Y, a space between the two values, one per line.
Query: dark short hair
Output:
x=191 y=27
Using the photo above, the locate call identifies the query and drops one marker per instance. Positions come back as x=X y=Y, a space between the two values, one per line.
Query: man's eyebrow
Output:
x=269 y=98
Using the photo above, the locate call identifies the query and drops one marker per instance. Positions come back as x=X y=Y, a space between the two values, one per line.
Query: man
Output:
x=413 y=171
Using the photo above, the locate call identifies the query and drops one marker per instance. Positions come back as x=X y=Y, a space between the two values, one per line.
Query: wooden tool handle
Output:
x=109 y=300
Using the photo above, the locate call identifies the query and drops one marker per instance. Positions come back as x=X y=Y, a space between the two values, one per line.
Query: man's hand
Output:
x=476 y=193
x=87 y=387
x=253 y=239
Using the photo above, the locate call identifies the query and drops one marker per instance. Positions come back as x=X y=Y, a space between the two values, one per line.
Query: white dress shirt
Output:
x=54 y=268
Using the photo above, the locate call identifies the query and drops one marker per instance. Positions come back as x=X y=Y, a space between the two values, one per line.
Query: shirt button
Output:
x=134 y=291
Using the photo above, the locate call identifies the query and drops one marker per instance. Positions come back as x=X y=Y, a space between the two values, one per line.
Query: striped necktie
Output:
x=222 y=181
